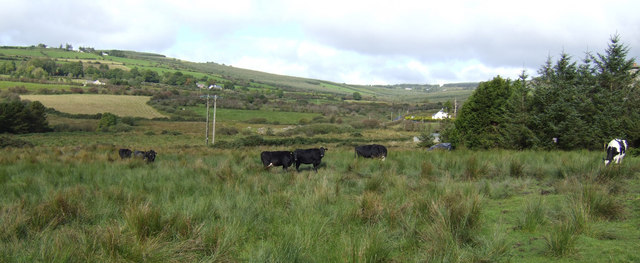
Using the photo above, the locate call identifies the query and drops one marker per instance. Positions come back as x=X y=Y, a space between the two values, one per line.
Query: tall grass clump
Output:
x=516 y=169
x=144 y=220
x=493 y=248
x=64 y=207
x=601 y=203
x=561 y=241
x=371 y=207
x=534 y=215
x=473 y=169
x=456 y=217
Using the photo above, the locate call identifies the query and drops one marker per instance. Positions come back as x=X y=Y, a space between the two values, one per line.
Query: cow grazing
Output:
x=277 y=158
x=309 y=156
x=616 y=150
x=124 y=153
x=138 y=154
x=148 y=156
x=371 y=151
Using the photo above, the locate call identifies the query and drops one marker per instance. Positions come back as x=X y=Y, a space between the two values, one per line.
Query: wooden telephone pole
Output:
x=213 y=128
x=206 y=126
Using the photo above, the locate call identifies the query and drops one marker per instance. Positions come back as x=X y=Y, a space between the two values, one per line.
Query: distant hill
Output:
x=128 y=60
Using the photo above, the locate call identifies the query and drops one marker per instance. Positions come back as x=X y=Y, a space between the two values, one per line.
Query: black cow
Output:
x=149 y=156
x=124 y=153
x=309 y=156
x=277 y=158
x=371 y=151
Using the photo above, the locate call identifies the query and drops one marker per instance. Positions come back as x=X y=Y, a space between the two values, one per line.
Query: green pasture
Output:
x=237 y=115
x=34 y=87
x=121 y=105
x=47 y=52
x=80 y=202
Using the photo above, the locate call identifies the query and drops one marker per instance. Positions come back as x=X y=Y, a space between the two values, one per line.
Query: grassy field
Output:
x=121 y=105
x=80 y=203
x=237 y=115
x=33 y=87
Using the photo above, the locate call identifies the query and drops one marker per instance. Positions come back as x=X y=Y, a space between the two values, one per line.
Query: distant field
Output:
x=33 y=86
x=41 y=52
x=134 y=106
x=245 y=115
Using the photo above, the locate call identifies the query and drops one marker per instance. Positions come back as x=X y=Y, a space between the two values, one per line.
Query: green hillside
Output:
x=128 y=60
x=177 y=88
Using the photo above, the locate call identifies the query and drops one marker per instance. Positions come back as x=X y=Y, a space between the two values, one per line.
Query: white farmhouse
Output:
x=440 y=115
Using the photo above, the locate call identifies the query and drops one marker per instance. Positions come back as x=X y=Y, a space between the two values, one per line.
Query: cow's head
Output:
x=322 y=150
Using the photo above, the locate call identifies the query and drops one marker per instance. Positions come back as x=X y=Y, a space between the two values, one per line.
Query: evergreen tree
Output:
x=479 y=121
x=515 y=131
x=557 y=102
x=617 y=97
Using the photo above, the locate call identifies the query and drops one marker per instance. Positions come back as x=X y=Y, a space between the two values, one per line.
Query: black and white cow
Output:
x=309 y=156
x=149 y=156
x=124 y=153
x=371 y=151
x=277 y=158
x=616 y=150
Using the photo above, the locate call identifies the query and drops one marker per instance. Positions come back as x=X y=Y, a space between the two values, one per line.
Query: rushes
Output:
x=534 y=215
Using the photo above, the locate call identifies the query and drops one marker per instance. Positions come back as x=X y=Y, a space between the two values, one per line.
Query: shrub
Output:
x=166 y=132
x=6 y=141
x=107 y=120
x=227 y=130
x=65 y=127
x=131 y=121
x=426 y=140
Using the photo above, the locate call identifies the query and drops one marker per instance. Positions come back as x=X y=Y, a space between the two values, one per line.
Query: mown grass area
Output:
x=80 y=202
x=256 y=116
x=121 y=105
x=47 y=52
x=34 y=87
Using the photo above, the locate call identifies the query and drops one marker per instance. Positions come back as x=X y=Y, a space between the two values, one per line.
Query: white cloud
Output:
x=357 y=41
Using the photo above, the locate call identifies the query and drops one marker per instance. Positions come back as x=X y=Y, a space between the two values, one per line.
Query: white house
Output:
x=440 y=115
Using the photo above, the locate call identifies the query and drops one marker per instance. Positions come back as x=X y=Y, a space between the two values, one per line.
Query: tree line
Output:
x=570 y=105
x=44 y=68
x=23 y=117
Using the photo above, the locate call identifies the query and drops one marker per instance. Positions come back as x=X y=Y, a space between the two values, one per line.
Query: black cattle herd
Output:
x=615 y=152
x=279 y=158
x=314 y=156
x=148 y=156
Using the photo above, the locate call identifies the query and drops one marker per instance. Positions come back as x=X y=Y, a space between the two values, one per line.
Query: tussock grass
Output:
x=534 y=215
x=561 y=241
x=202 y=204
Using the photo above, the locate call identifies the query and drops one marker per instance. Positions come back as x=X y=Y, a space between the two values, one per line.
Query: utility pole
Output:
x=213 y=129
x=455 y=107
x=206 y=126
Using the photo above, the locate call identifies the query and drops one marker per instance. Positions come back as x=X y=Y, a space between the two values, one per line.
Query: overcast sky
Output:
x=355 y=42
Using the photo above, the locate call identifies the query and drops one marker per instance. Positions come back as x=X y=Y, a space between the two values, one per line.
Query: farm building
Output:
x=440 y=115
